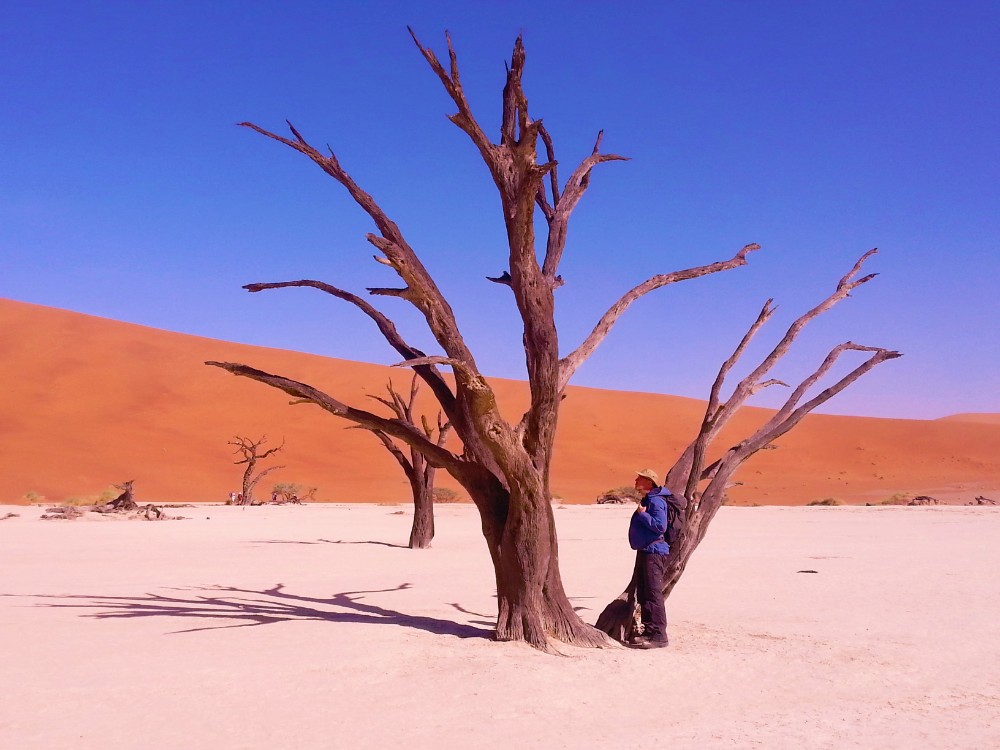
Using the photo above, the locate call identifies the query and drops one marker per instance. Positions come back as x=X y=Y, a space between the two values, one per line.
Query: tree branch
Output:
x=563 y=205
x=464 y=118
x=550 y=151
x=429 y=373
x=688 y=469
x=570 y=363
x=422 y=292
x=408 y=433
x=788 y=415
x=455 y=364
x=395 y=451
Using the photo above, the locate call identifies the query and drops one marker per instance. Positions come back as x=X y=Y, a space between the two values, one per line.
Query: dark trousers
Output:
x=649 y=592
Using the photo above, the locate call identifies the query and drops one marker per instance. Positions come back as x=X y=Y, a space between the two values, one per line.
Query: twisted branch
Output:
x=569 y=364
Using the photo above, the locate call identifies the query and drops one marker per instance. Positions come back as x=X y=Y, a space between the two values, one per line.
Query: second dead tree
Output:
x=418 y=470
x=250 y=450
x=704 y=482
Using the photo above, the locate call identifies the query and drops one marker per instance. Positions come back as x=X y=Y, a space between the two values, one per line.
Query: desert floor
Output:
x=313 y=627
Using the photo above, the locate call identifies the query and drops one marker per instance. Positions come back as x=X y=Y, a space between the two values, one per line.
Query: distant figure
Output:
x=232 y=498
x=239 y=498
x=645 y=534
x=274 y=497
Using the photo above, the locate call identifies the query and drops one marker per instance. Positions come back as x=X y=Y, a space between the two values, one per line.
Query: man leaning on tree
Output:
x=646 y=535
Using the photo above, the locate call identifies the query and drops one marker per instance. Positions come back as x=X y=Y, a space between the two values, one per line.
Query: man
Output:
x=645 y=534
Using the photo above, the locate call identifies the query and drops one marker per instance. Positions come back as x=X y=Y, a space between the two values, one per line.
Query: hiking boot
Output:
x=643 y=641
x=648 y=643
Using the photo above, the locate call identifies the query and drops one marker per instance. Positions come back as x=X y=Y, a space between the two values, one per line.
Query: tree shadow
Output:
x=463 y=610
x=265 y=607
x=328 y=541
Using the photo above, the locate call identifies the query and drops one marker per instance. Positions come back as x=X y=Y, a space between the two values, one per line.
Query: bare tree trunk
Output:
x=422 y=531
x=533 y=605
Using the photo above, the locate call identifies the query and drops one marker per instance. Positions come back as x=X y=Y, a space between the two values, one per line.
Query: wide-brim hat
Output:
x=650 y=475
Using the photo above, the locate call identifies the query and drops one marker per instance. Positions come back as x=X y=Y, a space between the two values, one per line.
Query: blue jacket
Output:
x=645 y=531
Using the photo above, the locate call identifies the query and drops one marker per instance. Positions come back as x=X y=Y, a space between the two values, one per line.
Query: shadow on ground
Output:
x=249 y=607
x=327 y=541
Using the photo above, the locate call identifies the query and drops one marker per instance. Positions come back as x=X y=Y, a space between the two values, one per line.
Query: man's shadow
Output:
x=249 y=607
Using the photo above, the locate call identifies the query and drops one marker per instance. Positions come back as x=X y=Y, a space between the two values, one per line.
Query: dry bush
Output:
x=900 y=498
x=826 y=501
x=448 y=495
x=78 y=500
x=619 y=495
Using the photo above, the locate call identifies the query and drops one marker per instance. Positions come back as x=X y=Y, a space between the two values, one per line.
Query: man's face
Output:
x=644 y=484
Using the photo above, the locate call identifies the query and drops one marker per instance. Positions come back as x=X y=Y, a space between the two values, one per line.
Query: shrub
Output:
x=900 y=498
x=447 y=495
x=108 y=494
x=78 y=500
x=619 y=495
x=286 y=490
x=33 y=498
x=826 y=501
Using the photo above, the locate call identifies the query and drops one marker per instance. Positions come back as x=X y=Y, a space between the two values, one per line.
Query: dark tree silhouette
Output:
x=503 y=466
x=125 y=501
x=251 y=452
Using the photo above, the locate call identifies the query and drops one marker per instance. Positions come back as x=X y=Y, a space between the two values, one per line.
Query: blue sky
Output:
x=818 y=130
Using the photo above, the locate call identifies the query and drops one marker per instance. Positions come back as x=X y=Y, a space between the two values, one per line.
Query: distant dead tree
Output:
x=504 y=466
x=419 y=472
x=251 y=452
x=125 y=501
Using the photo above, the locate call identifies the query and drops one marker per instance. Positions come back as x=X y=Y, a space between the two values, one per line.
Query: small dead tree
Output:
x=503 y=466
x=251 y=452
x=125 y=501
x=419 y=472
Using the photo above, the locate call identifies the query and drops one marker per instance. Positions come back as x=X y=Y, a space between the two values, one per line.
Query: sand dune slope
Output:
x=86 y=402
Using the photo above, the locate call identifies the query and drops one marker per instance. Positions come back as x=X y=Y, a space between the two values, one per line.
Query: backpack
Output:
x=676 y=505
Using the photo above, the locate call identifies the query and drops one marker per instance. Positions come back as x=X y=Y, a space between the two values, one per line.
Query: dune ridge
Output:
x=89 y=401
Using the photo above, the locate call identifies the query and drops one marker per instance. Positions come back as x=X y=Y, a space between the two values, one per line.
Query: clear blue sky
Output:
x=818 y=130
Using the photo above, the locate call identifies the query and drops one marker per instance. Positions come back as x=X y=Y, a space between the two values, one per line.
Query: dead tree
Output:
x=704 y=484
x=503 y=466
x=125 y=501
x=250 y=452
x=419 y=472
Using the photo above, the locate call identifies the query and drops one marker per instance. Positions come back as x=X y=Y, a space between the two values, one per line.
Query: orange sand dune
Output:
x=978 y=418
x=88 y=402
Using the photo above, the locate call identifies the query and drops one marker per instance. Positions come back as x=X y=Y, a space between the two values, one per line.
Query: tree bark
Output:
x=422 y=531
